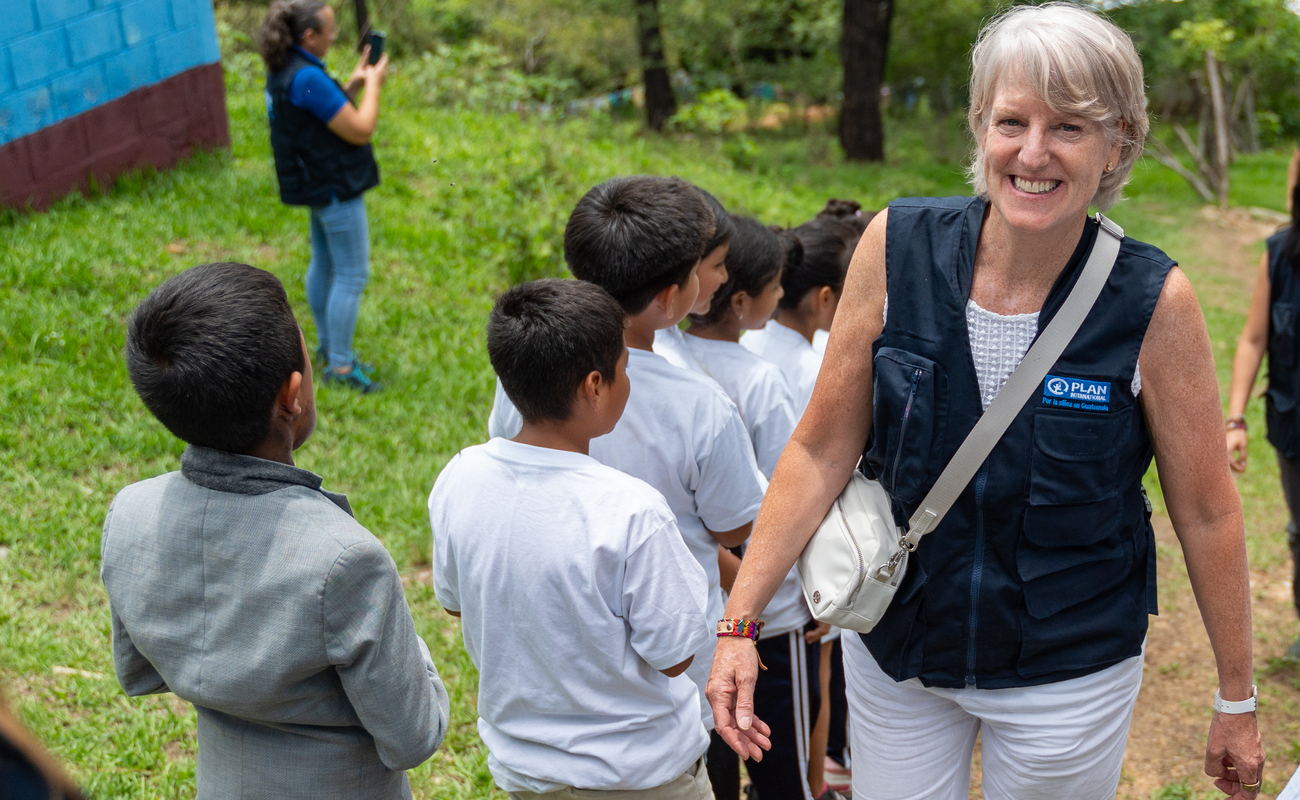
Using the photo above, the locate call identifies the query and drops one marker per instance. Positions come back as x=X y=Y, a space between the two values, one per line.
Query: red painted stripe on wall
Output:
x=157 y=126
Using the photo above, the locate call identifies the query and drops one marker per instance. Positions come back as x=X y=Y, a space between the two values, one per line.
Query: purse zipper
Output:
x=862 y=567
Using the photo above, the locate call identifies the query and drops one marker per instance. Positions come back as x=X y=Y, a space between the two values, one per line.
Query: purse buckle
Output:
x=885 y=573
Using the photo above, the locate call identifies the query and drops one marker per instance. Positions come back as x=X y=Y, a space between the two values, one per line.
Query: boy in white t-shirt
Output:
x=641 y=238
x=580 y=603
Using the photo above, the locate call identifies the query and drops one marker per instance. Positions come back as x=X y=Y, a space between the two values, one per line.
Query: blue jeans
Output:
x=340 y=267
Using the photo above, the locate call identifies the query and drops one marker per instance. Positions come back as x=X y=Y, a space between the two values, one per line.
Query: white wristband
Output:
x=1222 y=706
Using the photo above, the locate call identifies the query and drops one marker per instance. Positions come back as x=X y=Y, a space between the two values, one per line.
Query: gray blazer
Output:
x=242 y=587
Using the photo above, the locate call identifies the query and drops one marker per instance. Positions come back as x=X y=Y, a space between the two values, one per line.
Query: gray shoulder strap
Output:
x=1020 y=386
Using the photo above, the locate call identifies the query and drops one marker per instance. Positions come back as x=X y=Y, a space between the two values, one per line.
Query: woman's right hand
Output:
x=1236 y=440
x=730 y=692
x=374 y=74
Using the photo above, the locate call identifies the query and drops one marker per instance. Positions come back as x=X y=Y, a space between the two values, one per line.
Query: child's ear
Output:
x=592 y=386
x=740 y=303
x=287 y=397
x=667 y=298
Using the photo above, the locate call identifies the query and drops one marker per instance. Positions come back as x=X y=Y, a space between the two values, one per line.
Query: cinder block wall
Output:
x=90 y=88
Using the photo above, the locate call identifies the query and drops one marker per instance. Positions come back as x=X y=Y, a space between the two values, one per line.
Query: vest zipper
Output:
x=902 y=431
x=977 y=574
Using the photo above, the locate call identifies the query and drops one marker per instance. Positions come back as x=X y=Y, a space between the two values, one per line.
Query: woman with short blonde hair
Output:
x=1022 y=616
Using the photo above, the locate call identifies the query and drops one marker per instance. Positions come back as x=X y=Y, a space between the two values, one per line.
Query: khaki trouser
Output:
x=693 y=784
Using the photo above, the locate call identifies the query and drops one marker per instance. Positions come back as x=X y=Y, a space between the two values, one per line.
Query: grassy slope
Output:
x=468 y=204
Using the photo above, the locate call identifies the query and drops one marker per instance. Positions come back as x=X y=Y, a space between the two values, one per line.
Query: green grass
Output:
x=469 y=204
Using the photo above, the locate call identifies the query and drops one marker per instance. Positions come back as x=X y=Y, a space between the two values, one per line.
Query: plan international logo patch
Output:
x=1076 y=393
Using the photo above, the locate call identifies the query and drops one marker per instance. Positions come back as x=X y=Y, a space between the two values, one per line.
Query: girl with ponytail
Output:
x=323 y=160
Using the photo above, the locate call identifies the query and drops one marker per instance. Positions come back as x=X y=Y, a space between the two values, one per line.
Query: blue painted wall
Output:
x=59 y=58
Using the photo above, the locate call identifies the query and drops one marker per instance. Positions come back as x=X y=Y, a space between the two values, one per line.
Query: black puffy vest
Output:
x=1044 y=568
x=1283 y=376
x=314 y=166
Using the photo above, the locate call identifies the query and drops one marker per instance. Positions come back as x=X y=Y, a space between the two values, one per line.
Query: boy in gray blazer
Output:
x=239 y=584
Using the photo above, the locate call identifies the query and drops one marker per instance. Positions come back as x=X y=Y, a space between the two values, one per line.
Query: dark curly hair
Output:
x=286 y=21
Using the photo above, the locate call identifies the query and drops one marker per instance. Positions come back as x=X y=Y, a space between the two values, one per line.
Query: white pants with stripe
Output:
x=1057 y=740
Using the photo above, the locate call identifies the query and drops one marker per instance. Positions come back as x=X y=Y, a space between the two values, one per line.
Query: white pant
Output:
x=1057 y=740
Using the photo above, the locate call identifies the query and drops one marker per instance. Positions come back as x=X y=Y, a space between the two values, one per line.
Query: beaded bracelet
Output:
x=1235 y=423
x=740 y=627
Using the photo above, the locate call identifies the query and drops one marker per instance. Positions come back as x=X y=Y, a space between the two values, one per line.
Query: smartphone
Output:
x=376 y=46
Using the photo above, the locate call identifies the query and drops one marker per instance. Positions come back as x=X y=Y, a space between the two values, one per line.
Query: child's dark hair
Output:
x=828 y=246
x=635 y=236
x=722 y=224
x=847 y=212
x=286 y=21
x=545 y=337
x=757 y=255
x=208 y=351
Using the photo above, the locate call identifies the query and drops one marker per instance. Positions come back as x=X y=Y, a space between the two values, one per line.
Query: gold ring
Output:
x=1252 y=787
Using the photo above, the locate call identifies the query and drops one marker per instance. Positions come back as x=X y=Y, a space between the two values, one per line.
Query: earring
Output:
x=1109 y=166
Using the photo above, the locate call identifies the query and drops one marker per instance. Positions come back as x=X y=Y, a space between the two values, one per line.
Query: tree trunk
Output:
x=1222 y=153
x=1252 y=124
x=660 y=103
x=863 y=49
x=363 y=23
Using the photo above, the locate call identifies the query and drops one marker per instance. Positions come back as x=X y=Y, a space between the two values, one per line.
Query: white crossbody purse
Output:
x=853 y=564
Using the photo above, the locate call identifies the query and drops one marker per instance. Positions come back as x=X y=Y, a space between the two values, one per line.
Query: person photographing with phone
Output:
x=320 y=137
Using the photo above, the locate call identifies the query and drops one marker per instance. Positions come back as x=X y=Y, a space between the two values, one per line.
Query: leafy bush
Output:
x=482 y=76
x=714 y=112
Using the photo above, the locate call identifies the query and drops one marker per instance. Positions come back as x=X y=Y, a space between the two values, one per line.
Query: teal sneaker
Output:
x=356 y=379
x=365 y=367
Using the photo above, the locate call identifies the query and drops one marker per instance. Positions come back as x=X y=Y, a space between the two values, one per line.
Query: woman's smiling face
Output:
x=1042 y=166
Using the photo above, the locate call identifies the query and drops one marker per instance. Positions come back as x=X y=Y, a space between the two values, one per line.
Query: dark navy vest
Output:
x=1283 y=376
x=1044 y=568
x=313 y=164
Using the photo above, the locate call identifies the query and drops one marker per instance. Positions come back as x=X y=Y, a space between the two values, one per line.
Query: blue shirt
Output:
x=314 y=91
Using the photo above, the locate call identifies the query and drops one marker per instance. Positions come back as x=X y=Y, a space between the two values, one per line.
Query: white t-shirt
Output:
x=504 y=421
x=767 y=406
x=681 y=434
x=758 y=389
x=575 y=589
x=671 y=344
x=819 y=341
x=798 y=360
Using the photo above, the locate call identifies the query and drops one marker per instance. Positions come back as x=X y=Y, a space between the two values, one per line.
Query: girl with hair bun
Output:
x=323 y=160
x=812 y=288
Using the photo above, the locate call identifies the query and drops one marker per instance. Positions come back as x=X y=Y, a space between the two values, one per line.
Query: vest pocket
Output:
x=1282 y=340
x=1072 y=549
x=905 y=425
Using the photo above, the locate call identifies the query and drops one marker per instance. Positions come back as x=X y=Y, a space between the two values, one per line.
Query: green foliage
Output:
x=716 y=111
x=1255 y=38
x=480 y=75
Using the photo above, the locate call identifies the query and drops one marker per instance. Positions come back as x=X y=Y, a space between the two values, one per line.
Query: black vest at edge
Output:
x=313 y=164
x=1283 y=377
x=1044 y=569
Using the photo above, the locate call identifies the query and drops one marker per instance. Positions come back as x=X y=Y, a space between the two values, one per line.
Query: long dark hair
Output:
x=1292 y=245
x=757 y=255
x=286 y=21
